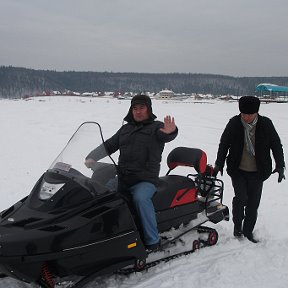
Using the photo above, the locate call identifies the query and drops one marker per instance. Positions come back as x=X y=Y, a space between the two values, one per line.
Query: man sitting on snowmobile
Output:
x=141 y=142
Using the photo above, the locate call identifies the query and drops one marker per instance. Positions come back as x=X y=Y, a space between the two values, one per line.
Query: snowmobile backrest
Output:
x=184 y=156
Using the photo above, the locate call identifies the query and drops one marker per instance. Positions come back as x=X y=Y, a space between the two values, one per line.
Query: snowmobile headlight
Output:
x=49 y=189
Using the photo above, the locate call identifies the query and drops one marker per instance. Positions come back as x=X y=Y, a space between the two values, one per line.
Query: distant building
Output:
x=165 y=94
x=266 y=89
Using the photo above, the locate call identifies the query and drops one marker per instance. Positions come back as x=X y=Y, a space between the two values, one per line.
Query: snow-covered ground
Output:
x=34 y=132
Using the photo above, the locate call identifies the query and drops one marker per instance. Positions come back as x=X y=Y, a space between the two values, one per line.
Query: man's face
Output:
x=140 y=112
x=248 y=118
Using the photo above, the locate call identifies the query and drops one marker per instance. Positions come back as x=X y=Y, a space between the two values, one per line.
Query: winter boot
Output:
x=237 y=232
x=251 y=238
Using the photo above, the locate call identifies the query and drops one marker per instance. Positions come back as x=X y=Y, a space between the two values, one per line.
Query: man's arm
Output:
x=95 y=155
x=223 y=147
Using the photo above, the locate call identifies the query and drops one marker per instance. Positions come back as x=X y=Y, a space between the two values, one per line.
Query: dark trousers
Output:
x=248 y=189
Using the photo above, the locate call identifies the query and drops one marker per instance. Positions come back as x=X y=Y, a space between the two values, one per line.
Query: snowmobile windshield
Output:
x=71 y=161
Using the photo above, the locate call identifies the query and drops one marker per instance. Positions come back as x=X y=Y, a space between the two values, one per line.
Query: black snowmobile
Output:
x=74 y=225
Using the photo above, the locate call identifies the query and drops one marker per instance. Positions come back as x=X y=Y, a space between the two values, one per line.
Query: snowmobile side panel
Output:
x=184 y=196
x=104 y=254
x=81 y=260
x=176 y=216
x=166 y=195
x=95 y=223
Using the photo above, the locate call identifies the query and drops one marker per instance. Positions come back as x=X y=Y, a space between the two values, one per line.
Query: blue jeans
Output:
x=142 y=194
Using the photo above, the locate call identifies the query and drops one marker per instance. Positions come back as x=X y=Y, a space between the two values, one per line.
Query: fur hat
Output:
x=142 y=100
x=249 y=104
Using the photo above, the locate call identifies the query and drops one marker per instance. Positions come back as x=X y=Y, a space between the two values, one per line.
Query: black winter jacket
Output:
x=141 y=146
x=266 y=139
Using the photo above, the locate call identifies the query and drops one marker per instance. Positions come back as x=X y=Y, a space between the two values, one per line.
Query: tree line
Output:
x=18 y=82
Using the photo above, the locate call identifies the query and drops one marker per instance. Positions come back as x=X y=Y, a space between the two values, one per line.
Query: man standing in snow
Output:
x=248 y=139
x=141 y=142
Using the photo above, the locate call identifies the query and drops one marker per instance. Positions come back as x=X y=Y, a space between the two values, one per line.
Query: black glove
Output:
x=280 y=171
x=217 y=169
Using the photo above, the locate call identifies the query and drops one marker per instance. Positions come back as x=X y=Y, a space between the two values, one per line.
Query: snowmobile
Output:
x=75 y=225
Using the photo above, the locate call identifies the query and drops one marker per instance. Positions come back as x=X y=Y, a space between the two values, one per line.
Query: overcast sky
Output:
x=229 y=37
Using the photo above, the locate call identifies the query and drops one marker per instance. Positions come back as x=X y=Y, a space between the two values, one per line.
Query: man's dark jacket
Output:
x=141 y=146
x=266 y=139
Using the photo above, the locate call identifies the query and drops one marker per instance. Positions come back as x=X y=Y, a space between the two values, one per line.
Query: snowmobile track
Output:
x=141 y=266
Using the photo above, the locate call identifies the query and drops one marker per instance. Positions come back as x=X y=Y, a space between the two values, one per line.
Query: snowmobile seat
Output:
x=174 y=190
x=185 y=156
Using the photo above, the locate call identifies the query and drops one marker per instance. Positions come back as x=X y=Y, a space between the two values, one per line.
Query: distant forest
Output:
x=19 y=82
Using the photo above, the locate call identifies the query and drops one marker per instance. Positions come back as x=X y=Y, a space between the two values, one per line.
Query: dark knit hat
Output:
x=140 y=100
x=249 y=104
